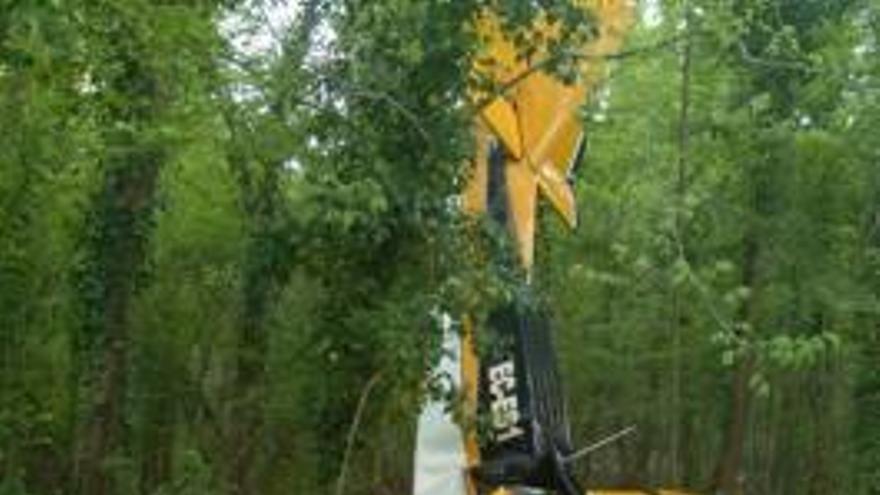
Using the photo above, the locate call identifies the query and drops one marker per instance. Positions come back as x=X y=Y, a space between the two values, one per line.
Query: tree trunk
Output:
x=678 y=317
x=730 y=469
x=119 y=229
x=729 y=477
x=119 y=253
x=158 y=417
x=261 y=275
x=246 y=428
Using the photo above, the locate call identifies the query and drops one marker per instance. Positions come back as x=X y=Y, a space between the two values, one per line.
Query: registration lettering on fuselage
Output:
x=504 y=404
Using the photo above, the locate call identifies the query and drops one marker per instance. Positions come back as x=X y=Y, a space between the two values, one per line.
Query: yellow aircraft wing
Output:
x=535 y=118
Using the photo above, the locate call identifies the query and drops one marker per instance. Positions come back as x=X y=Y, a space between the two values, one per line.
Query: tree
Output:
x=136 y=86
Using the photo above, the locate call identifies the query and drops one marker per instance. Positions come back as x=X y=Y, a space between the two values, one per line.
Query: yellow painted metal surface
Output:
x=506 y=491
x=637 y=492
x=470 y=374
x=535 y=116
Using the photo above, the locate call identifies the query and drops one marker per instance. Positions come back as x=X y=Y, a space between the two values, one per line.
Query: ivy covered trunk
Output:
x=118 y=251
x=119 y=228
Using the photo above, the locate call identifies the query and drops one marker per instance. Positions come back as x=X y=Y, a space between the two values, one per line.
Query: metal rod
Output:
x=598 y=445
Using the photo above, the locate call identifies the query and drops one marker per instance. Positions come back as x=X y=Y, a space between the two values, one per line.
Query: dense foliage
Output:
x=221 y=266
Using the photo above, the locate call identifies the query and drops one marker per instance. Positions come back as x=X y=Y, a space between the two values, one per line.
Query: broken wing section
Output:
x=535 y=115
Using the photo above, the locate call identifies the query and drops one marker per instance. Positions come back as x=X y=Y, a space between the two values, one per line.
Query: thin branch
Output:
x=684 y=139
x=792 y=65
x=705 y=292
x=277 y=37
x=543 y=64
x=396 y=105
x=352 y=432
x=354 y=91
